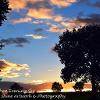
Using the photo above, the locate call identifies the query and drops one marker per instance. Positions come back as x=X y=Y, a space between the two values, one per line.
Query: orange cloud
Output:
x=11 y=70
x=17 y=4
x=62 y=3
x=72 y=24
x=67 y=24
x=54 y=28
x=22 y=20
x=40 y=10
x=38 y=81
x=58 y=18
x=21 y=4
x=40 y=13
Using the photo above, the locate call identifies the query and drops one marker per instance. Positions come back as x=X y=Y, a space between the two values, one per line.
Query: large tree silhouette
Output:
x=4 y=9
x=79 y=51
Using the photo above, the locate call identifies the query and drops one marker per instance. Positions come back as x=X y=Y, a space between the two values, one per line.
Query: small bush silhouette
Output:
x=16 y=86
x=15 y=89
x=78 y=86
x=57 y=87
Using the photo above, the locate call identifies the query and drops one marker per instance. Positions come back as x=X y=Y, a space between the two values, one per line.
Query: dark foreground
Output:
x=54 y=96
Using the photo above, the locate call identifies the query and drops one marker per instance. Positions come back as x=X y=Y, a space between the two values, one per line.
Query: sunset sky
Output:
x=32 y=29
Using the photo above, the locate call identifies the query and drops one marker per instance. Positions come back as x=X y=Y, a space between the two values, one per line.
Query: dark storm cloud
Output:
x=91 y=19
x=19 y=41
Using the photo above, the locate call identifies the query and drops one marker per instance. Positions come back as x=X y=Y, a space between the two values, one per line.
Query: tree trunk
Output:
x=93 y=89
x=93 y=83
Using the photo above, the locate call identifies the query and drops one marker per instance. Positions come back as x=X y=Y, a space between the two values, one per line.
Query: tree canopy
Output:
x=4 y=9
x=79 y=51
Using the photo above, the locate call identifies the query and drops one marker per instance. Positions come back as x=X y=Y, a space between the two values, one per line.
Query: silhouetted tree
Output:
x=4 y=9
x=97 y=87
x=16 y=86
x=57 y=87
x=78 y=86
x=1 y=45
x=0 y=89
x=0 y=79
x=79 y=51
x=15 y=89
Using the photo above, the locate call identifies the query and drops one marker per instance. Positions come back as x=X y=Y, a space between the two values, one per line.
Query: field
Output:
x=55 y=96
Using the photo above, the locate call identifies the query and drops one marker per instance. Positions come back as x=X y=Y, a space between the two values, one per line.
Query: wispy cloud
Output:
x=36 y=36
x=62 y=3
x=21 y=4
x=38 y=29
x=38 y=81
x=17 y=4
x=55 y=28
x=22 y=20
x=10 y=69
x=71 y=25
x=58 y=18
x=40 y=13
x=91 y=19
x=40 y=9
x=18 y=41
x=21 y=41
x=38 y=22
x=50 y=70
x=27 y=75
